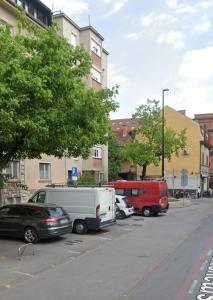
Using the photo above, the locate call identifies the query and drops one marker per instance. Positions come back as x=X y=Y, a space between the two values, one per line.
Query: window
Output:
x=207 y=161
x=16 y=211
x=13 y=169
x=135 y=192
x=56 y=212
x=97 y=152
x=95 y=47
x=44 y=171
x=119 y=192
x=30 y=8
x=35 y=212
x=202 y=159
x=4 y=211
x=73 y=39
x=96 y=75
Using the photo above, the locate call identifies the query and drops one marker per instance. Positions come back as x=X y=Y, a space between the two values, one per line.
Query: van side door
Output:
x=136 y=197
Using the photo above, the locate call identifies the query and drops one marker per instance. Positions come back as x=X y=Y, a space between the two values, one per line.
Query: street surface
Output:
x=168 y=257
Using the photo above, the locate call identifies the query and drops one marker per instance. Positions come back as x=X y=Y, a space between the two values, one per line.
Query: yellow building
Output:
x=194 y=159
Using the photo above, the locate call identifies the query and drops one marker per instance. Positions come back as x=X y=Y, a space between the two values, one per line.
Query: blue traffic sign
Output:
x=74 y=172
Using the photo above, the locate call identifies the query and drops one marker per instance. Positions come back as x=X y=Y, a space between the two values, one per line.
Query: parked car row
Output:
x=55 y=211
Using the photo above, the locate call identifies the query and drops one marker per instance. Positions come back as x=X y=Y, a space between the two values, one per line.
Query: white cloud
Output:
x=173 y=38
x=135 y=36
x=196 y=72
x=205 y=4
x=152 y=19
x=198 y=65
x=204 y=26
x=171 y=3
x=116 y=5
x=67 y=6
x=116 y=75
x=147 y=20
x=184 y=8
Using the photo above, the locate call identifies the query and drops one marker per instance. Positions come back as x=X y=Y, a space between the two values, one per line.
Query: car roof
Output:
x=36 y=205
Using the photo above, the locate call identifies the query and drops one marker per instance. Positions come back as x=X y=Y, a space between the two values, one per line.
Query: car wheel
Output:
x=147 y=211
x=121 y=214
x=30 y=235
x=80 y=227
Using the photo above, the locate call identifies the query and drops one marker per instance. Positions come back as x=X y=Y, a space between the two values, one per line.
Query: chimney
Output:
x=124 y=129
x=183 y=112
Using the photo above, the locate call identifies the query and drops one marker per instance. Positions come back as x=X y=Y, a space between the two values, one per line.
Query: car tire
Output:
x=30 y=235
x=80 y=227
x=121 y=214
x=147 y=211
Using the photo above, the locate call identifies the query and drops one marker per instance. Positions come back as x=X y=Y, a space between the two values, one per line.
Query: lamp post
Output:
x=163 y=91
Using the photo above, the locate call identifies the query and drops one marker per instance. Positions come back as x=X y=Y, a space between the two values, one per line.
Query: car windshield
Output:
x=56 y=212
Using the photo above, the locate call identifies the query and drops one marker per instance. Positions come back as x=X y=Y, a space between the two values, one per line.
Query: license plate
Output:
x=65 y=221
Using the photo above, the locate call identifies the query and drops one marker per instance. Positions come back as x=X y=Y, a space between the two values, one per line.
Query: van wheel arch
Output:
x=147 y=211
x=80 y=227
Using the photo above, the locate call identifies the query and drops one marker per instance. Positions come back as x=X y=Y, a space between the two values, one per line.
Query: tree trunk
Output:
x=143 y=175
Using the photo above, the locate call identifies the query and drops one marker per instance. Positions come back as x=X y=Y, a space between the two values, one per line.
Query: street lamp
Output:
x=163 y=91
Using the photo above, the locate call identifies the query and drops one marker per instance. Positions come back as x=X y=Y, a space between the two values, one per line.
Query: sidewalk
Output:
x=183 y=202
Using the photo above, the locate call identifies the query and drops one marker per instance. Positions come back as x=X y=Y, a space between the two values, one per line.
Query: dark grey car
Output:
x=34 y=221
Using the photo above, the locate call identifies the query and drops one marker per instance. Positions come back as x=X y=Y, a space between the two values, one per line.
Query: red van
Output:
x=147 y=197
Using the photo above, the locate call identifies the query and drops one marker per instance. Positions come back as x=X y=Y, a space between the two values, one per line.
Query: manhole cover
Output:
x=74 y=242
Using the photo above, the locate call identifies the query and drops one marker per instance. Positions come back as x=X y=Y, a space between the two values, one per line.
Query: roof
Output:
x=123 y=128
x=59 y=13
x=93 y=30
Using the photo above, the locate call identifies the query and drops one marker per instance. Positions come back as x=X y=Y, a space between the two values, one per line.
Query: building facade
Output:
x=206 y=122
x=90 y=39
x=192 y=162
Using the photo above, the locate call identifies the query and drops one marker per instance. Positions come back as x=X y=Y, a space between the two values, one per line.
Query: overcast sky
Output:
x=153 y=45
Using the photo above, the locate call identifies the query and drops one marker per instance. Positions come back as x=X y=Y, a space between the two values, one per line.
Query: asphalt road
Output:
x=165 y=258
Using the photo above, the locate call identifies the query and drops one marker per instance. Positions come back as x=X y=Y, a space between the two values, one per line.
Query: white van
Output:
x=89 y=208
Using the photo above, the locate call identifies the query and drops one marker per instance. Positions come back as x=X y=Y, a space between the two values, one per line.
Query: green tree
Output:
x=115 y=158
x=145 y=147
x=45 y=106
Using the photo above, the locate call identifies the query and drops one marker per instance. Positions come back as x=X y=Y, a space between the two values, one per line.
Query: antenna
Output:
x=53 y=7
x=89 y=21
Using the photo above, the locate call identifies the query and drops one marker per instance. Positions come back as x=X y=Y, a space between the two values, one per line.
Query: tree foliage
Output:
x=45 y=106
x=115 y=158
x=146 y=147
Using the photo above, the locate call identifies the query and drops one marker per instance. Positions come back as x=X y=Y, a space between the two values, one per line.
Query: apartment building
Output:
x=92 y=40
x=37 y=173
x=35 y=10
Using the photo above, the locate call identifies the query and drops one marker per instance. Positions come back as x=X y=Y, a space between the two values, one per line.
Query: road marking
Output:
x=191 y=290
x=104 y=238
x=74 y=252
x=25 y=274
x=202 y=268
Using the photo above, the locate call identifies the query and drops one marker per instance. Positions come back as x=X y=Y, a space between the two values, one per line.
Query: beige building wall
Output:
x=85 y=36
x=59 y=169
x=189 y=158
